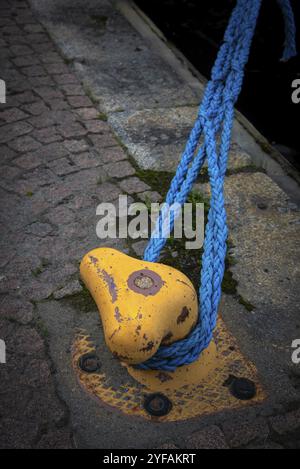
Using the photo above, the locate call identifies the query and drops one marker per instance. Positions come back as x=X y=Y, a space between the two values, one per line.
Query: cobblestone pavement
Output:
x=59 y=159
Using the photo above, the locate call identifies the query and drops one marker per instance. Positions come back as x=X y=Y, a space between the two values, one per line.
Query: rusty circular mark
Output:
x=146 y=282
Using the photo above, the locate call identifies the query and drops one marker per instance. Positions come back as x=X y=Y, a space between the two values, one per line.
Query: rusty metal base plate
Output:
x=194 y=390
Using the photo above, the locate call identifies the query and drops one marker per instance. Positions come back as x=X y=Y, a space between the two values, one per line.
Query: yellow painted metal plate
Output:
x=194 y=390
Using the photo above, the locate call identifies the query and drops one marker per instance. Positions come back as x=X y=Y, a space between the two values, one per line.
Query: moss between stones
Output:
x=90 y=94
x=249 y=307
x=102 y=117
x=158 y=180
x=100 y=20
x=229 y=285
x=250 y=169
x=82 y=301
x=68 y=61
x=39 y=270
x=41 y=328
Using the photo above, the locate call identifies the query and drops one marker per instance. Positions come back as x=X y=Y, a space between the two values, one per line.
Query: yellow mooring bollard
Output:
x=142 y=304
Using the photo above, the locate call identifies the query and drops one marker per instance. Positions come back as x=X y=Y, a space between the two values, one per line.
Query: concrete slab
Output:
x=265 y=233
x=156 y=138
x=111 y=58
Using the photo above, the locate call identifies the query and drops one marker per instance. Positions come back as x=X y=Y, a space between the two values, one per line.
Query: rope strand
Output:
x=214 y=122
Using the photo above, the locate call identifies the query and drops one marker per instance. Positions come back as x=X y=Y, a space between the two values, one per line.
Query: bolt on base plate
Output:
x=220 y=379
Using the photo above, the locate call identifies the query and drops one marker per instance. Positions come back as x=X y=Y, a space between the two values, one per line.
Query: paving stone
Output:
x=168 y=446
x=59 y=276
x=69 y=130
x=106 y=140
x=47 y=135
x=29 y=161
x=87 y=113
x=62 y=167
x=12 y=115
x=112 y=155
x=51 y=152
x=16 y=309
x=39 y=229
x=285 y=424
x=10 y=172
x=58 y=439
x=6 y=154
x=40 y=177
x=46 y=119
x=73 y=90
x=14 y=400
x=21 y=50
x=36 y=108
x=80 y=101
x=26 y=61
x=69 y=290
x=47 y=92
x=34 y=71
x=26 y=341
x=17 y=434
x=34 y=28
x=51 y=58
x=57 y=193
x=39 y=39
x=88 y=178
x=96 y=126
x=60 y=215
x=66 y=79
x=57 y=68
x=44 y=48
x=25 y=17
x=209 y=438
x=76 y=146
x=24 y=144
x=119 y=170
x=36 y=291
x=139 y=247
x=133 y=185
x=36 y=82
x=26 y=97
x=150 y=196
x=58 y=104
x=86 y=160
x=107 y=192
x=36 y=374
x=17 y=40
x=19 y=84
x=241 y=433
x=268 y=445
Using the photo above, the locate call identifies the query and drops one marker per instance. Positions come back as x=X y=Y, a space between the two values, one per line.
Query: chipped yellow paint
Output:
x=142 y=304
x=194 y=390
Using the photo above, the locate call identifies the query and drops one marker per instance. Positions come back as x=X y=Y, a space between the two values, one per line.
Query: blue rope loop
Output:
x=213 y=124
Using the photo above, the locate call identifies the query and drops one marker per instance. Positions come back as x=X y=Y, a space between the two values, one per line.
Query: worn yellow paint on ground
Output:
x=194 y=390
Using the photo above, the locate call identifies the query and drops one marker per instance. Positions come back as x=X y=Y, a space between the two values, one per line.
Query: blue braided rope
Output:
x=290 y=48
x=213 y=124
